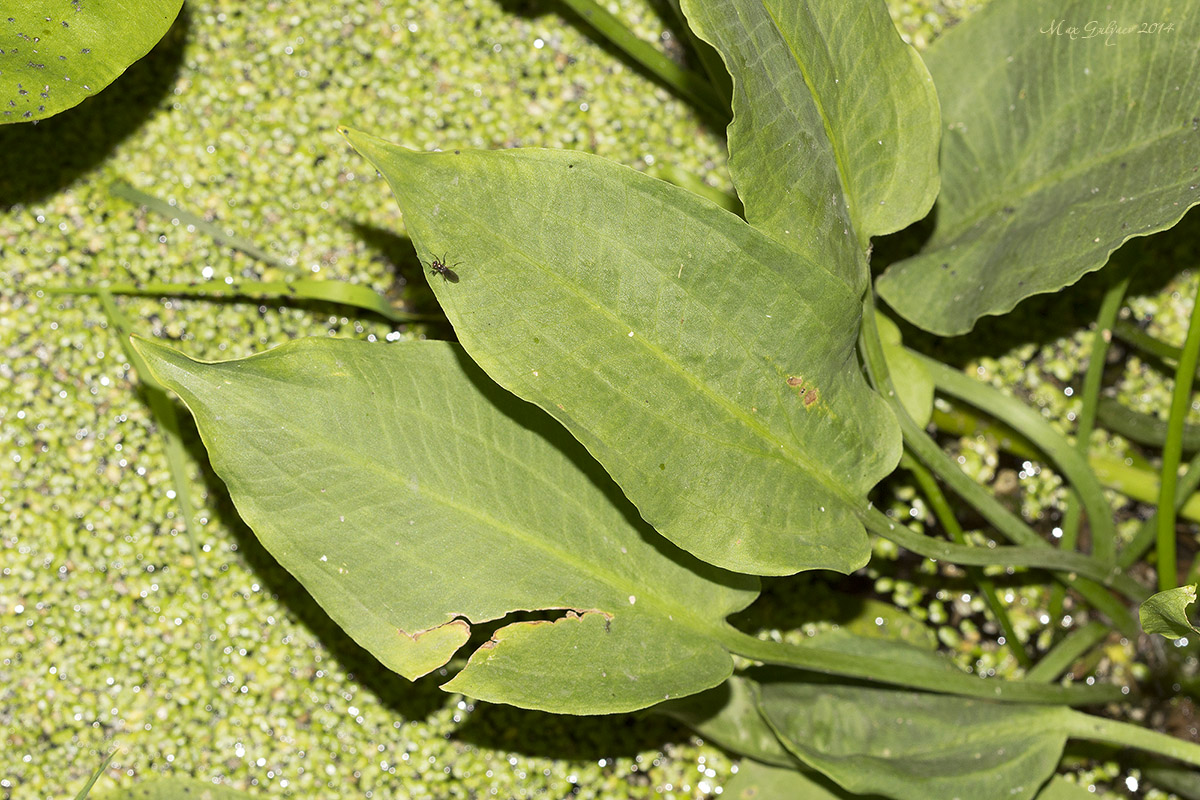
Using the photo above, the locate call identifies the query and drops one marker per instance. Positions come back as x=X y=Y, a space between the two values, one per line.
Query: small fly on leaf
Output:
x=439 y=267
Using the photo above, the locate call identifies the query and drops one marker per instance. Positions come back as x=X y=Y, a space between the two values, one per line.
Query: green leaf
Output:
x=755 y=781
x=728 y=716
x=878 y=620
x=883 y=647
x=1166 y=613
x=708 y=368
x=176 y=789
x=1060 y=788
x=827 y=147
x=412 y=497
x=914 y=746
x=914 y=386
x=56 y=53
x=1055 y=152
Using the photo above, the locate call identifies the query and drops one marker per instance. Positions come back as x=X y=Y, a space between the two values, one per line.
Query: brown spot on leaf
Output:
x=807 y=393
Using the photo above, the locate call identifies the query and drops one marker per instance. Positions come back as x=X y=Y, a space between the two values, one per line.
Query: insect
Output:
x=439 y=267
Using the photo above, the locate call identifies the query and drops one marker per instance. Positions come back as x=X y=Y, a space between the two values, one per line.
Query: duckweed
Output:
x=233 y=116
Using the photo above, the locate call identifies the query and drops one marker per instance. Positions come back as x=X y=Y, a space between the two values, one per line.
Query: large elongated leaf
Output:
x=1061 y=142
x=913 y=746
x=828 y=146
x=708 y=368
x=56 y=53
x=412 y=497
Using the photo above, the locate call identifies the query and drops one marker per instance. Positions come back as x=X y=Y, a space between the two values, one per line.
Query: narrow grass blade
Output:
x=1181 y=401
x=1066 y=652
x=1033 y=426
x=87 y=787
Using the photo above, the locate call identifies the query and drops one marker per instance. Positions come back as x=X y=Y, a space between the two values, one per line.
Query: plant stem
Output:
x=1093 y=381
x=1133 y=335
x=163 y=208
x=710 y=59
x=1143 y=540
x=1181 y=398
x=1071 y=463
x=87 y=787
x=1060 y=658
x=1047 y=557
x=1124 y=734
x=1143 y=428
x=915 y=675
x=1010 y=526
x=945 y=516
x=1133 y=482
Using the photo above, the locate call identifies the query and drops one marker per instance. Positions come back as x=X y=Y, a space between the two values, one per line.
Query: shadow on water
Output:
x=38 y=160
x=536 y=733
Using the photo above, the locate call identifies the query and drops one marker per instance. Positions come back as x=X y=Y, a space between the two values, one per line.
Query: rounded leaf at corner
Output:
x=1042 y=180
x=1165 y=613
x=915 y=745
x=54 y=55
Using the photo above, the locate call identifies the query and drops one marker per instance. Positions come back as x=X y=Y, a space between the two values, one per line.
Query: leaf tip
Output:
x=154 y=351
x=371 y=147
